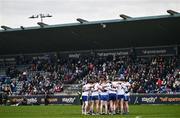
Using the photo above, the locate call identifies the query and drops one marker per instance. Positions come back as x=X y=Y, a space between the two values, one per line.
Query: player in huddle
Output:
x=100 y=93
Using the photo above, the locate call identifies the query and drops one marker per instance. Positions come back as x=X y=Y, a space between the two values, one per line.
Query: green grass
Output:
x=60 y=111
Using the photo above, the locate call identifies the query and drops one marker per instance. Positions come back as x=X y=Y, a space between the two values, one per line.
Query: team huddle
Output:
x=105 y=97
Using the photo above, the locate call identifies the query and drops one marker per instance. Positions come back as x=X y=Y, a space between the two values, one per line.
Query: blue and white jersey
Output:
x=95 y=90
x=111 y=89
x=127 y=86
x=103 y=89
x=86 y=89
x=120 y=89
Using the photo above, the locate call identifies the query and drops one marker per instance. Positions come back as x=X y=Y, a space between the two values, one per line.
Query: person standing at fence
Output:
x=6 y=93
x=46 y=98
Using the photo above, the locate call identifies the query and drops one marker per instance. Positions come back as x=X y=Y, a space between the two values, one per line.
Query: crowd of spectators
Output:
x=159 y=74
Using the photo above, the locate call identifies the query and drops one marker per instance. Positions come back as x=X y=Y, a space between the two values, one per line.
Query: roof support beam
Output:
x=41 y=24
x=171 y=12
x=81 y=20
x=125 y=17
x=5 y=27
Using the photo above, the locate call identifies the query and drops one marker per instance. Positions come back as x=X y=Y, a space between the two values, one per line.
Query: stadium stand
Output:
x=32 y=75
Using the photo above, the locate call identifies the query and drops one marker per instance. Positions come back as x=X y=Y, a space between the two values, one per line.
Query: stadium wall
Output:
x=52 y=99
x=75 y=99
x=155 y=99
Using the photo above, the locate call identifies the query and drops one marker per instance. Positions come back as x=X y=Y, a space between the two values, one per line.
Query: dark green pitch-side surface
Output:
x=60 y=111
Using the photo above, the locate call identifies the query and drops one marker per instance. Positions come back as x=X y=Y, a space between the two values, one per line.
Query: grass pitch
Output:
x=63 y=111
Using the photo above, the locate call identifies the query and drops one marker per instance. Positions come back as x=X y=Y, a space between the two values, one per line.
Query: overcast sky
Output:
x=15 y=13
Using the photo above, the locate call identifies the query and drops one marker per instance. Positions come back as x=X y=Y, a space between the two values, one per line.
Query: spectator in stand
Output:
x=147 y=74
x=13 y=87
